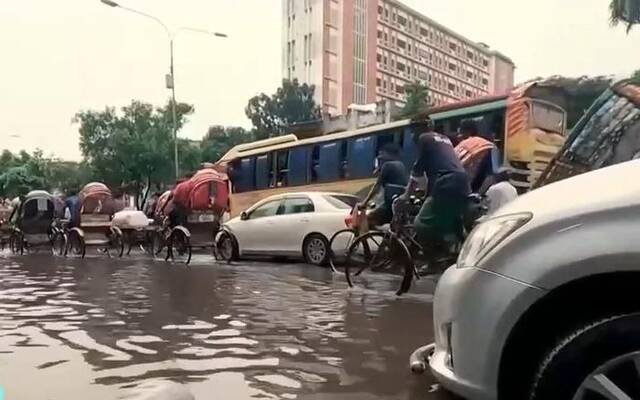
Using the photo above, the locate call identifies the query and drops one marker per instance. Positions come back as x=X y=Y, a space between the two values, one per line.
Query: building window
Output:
x=485 y=62
x=378 y=82
x=380 y=9
x=360 y=53
x=468 y=93
x=452 y=66
x=452 y=87
x=379 y=34
x=401 y=67
x=400 y=89
x=469 y=74
x=453 y=46
x=485 y=81
x=402 y=44
x=424 y=32
x=402 y=20
x=469 y=54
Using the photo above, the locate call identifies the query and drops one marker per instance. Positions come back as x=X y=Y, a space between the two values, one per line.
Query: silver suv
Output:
x=544 y=302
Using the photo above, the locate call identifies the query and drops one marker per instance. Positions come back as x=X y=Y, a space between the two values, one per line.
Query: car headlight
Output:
x=486 y=236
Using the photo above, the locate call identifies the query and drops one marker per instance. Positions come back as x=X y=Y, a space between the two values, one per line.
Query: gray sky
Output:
x=66 y=55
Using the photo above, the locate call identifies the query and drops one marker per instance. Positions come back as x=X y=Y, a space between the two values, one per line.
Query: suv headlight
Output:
x=486 y=236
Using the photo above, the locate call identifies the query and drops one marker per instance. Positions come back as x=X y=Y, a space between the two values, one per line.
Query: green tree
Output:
x=291 y=103
x=416 y=100
x=635 y=78
x=219 y=139
x=625 y=12
x=132 y=148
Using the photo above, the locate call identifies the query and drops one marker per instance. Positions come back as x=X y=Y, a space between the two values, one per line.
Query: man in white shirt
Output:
x=501 y=192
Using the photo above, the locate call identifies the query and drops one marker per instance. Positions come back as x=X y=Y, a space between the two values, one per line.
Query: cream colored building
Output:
x=363 y=51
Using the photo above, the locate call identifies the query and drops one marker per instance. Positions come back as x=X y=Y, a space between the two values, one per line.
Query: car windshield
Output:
x=342 y=201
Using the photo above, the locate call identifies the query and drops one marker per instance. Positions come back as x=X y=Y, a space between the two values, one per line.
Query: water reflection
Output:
x=107 y=329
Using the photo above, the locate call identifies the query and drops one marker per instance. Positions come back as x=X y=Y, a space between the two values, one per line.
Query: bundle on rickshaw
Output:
x=35 y=223
x=97 y=207
x=198 y=205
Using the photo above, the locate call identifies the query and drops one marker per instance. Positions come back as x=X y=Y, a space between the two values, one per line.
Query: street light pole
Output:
x=170 y=81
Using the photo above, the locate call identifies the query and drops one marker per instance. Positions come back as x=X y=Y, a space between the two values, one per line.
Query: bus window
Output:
x=245 y=175
x=315 y=161
x=408 y=147
x=497 y=128
x=263 y=171
x=383 y=139
x=344 y=157
x=282 y=168
x=328 y=167
x=298 y=166
x=361 y=156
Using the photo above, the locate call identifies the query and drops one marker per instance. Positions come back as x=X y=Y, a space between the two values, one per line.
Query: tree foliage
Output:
x=416 y=100
x=134 y=147
x=291 y=103
x=635 y=78
x=219 y=139
x=625 y=12
x=23 y=172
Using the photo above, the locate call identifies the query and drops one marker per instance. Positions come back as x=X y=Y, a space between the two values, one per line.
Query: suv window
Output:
x=342 y=202
x=298 y=205
x=268 y=209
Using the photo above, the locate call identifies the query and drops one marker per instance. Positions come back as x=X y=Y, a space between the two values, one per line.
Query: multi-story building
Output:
x=363 y=51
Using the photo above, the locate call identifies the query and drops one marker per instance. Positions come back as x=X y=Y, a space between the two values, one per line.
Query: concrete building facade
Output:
x=364 y=51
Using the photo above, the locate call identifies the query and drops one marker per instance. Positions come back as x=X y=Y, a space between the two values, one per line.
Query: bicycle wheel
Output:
x=158 y=244
x=370 y=250
x=339 y=245
x=379 y=252
x=179 y=247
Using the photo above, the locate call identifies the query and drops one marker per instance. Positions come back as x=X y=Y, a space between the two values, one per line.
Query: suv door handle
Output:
x=304 y=220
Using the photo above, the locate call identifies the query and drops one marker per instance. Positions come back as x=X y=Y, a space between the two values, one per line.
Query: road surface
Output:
x=98 y=328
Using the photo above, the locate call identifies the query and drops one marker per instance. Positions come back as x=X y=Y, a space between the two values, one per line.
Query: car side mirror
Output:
x=244 y=216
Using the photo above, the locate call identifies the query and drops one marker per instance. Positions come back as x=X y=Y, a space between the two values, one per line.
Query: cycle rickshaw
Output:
x=94 y=229
x=197 y=207
x=36 y=224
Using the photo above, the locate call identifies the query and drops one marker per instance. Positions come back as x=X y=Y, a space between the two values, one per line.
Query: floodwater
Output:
x=104 y=328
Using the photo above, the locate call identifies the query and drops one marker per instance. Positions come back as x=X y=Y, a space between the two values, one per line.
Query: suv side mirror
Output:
x=244 y=216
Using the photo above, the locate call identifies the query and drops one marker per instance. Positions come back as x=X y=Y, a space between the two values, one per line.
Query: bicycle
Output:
x=340 y=242
x=391 y=250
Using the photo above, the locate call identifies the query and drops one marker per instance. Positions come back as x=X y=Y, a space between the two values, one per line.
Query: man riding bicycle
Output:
x=440 y=220
x=392 y=178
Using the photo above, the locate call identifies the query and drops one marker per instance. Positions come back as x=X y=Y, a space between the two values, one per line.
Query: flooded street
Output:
x=107 y=329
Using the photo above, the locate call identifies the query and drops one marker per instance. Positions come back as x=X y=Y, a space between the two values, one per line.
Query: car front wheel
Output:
x=316 y=249
x=600 y=360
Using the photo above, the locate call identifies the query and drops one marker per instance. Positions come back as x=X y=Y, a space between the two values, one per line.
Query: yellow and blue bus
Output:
x=528 y=132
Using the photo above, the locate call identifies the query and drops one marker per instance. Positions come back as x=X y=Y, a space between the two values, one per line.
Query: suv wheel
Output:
x=601 y=360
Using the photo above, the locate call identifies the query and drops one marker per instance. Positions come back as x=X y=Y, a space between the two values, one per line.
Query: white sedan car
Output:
x=292 y=224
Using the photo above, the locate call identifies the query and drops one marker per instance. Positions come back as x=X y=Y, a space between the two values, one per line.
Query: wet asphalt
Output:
x=100 y=328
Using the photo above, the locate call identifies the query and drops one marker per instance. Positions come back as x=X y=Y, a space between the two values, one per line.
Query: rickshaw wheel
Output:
x=116 y=244
x=76 y=244
x=16 y=243
x=179 y=247
x=59 y=244
x=157 y=244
